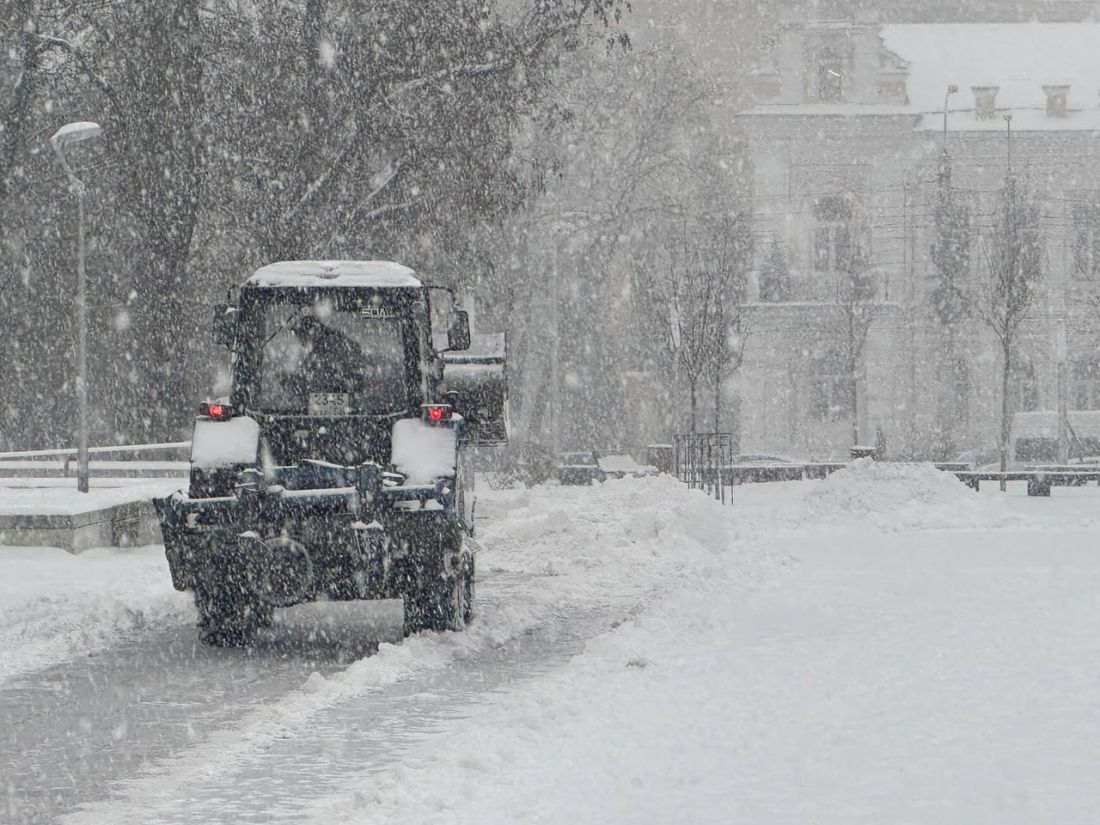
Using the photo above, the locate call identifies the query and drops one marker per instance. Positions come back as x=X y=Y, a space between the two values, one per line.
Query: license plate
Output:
x=328 y=403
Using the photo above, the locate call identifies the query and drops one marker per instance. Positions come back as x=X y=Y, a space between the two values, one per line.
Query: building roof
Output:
x=1019 y=58
x=334 y=273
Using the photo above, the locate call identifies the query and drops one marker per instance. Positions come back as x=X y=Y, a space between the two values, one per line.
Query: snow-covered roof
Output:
x=334 y=273
x=1018 y=58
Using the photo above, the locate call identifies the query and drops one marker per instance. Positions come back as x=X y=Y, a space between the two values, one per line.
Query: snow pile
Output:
x=423 y=452
x=225 y=443
x=610 y=545
x=55 y=606
x=898 y=496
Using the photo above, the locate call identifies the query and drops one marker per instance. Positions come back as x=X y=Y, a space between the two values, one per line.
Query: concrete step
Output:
x=132 y=524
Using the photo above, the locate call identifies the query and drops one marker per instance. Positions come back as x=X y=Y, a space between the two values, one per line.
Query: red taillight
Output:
x=219 y=412
x=436 y=412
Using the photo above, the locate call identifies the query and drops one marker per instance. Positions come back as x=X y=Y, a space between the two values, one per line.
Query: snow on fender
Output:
x=424 y=452
x=224 y=443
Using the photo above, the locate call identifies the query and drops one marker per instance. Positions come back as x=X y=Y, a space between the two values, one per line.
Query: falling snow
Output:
x=537 y=294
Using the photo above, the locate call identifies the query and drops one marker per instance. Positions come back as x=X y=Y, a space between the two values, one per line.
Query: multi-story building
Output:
x=849 y=130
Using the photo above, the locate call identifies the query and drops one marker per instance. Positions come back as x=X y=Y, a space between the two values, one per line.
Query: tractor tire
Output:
x=470 y=581
x=230 y=609
x=443 y=601
x=230 y=619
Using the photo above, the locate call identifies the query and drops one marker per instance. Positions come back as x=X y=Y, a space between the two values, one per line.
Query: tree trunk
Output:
x=854 y=390
x=717 y=402
x=694 y=403
x=1006 y=421
x=16 y=120
x=18 y=115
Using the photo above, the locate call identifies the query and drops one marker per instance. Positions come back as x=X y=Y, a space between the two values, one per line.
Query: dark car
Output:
x=760 y=467
x=621 y=465
x=579 y=468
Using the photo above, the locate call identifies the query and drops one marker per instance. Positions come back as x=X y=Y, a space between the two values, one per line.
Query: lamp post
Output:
x=69 y=134
x=950 y=91
x=1008 y=140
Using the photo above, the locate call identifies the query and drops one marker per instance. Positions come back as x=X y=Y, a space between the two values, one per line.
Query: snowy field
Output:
x=884 y=646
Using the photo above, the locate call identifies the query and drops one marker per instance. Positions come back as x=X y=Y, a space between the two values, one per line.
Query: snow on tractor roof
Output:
x=334 y=273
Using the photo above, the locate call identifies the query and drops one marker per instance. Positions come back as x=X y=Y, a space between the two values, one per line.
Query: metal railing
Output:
x=700 y=459
x=29 y=462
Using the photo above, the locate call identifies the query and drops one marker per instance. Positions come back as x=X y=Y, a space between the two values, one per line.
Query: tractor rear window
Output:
x=318 y=360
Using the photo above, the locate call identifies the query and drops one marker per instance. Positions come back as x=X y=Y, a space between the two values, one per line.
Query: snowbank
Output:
x=898 y=496
x=55 y=606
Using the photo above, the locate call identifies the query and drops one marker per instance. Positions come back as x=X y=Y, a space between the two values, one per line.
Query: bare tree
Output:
x=1014 y=262
x=729 y=243
x=703 y=295
x=950 y=254
x=857 y=306
x=582 y=310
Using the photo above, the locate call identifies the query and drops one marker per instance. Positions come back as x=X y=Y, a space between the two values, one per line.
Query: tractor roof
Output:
x=373 y=274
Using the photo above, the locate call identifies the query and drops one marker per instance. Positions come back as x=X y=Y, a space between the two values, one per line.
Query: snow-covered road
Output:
x=884 y=646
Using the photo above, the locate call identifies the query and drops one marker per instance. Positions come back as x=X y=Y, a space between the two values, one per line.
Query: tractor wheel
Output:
x=442 y=601
x=230 y=620
x=468 y=603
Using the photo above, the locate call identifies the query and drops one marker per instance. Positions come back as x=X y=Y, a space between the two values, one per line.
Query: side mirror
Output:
x=458 y=333
x=225 y=325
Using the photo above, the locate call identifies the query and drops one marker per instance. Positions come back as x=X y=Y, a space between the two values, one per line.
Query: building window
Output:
x=1086 y=239
x=1086 y=385
x=832 y=241
x=1026 y=383
x=985 y=101
x=775 y=276
x=830 y=75
x=830 y=390
x=892 y=91
x=1057 y=97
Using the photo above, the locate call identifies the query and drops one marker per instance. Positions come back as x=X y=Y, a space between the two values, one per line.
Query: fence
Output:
x=128 y=460
x=704 y=461
x=700 y=460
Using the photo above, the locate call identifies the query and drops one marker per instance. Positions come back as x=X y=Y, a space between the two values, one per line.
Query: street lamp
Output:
x=69 y=134
x=950 y=91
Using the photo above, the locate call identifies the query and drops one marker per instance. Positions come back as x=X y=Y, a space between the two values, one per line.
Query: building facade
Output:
x=855 y=130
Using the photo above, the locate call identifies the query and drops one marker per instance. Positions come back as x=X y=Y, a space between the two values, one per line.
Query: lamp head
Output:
x=75 y=133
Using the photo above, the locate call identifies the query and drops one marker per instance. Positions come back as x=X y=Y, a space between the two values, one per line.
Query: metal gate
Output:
x=702 y=462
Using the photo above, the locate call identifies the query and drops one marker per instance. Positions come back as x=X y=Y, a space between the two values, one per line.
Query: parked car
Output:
x=758 y=467
x=620 y=465
x=761 y=459
x=579 y=468
x=979 y=457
